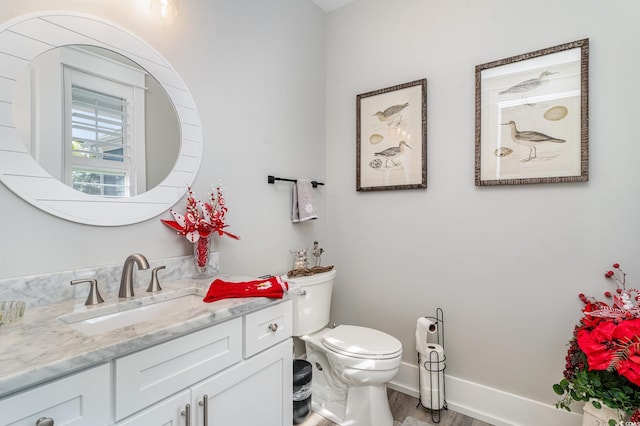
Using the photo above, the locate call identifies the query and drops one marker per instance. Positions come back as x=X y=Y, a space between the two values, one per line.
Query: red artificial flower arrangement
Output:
x=603 y=360
x=201 y=219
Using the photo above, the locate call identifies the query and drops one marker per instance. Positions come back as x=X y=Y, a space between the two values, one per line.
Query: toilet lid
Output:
x=362 y=342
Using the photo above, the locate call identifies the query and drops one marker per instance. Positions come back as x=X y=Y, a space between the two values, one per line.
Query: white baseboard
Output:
x=488 y=404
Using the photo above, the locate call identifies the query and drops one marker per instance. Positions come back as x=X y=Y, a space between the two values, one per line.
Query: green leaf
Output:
x=613 y=423
x=617 y=393
x=596 y=404
x=558 y=389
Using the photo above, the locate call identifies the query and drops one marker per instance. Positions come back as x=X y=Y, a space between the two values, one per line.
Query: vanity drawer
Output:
x=265 y=328
x=152 y=374
x=80 y=399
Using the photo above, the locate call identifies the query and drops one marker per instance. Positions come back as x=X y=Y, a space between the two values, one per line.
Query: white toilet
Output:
x=351 y=364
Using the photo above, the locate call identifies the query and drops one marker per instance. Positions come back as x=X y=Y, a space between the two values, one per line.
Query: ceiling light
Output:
x=165 y=8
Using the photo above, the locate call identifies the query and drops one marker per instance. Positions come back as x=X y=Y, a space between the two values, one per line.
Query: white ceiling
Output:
x=331 y=5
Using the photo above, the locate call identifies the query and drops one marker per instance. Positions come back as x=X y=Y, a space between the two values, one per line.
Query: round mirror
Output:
x=95 y=126
x=119 y=131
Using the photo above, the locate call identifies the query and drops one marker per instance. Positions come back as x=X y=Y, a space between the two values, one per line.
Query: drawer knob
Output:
x=273 y=327
x=44 y=421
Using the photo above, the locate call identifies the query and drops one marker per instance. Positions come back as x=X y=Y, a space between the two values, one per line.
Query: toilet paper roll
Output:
x=426 y=329
x=435 y=352
x=432 y=377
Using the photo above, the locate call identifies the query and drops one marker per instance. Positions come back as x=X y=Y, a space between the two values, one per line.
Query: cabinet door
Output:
x=170 y=412
x=146 y=377
x=81 y=399
x=257 y=391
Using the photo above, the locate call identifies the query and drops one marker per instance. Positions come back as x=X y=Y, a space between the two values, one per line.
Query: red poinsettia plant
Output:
x=201 y=219
x=603 y=359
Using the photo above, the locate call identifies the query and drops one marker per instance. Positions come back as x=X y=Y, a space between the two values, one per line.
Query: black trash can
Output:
x=301 y=390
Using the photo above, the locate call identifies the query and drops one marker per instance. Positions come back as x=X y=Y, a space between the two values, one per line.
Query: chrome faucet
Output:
x=126 y=282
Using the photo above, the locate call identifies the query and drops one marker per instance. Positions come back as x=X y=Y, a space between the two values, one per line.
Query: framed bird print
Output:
x=532 y=117
x=391 y=138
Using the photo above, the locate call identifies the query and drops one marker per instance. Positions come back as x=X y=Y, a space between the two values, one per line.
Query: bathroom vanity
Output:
x=226 y=363
x=164 y=358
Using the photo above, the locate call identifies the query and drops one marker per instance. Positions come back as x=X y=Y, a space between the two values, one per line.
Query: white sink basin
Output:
x=100 y=320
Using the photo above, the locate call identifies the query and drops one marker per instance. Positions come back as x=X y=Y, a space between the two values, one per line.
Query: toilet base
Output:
x=318 y=408
x=344 y=404
x=368 y=405
x=365 y=406
x=328 y=393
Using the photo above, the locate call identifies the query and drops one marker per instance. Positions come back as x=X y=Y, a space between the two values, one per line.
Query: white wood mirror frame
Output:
x=24 y=38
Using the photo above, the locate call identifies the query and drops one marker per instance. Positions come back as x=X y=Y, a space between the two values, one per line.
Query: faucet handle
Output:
x=94 y=297
x=154 y=285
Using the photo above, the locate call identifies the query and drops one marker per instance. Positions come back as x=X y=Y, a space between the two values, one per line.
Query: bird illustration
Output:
x=393 y=152
x=391 y=112
x=527 y=85
x=529 y=138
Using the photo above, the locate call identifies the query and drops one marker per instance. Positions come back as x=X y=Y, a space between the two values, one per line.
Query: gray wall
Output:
x=256 y=71
x=505 y=263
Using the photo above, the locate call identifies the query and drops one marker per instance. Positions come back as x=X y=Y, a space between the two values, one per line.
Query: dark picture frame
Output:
x=532 y=117
x=391 y=138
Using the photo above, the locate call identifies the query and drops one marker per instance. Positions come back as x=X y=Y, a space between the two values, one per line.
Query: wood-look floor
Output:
x=403 y=406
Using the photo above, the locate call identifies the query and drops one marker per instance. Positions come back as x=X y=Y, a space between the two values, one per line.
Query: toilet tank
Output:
x=311 y=296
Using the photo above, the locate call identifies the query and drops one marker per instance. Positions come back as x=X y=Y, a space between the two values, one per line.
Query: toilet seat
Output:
x=362 y=342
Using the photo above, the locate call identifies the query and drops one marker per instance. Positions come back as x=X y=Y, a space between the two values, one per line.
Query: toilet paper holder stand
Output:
x=434 y=365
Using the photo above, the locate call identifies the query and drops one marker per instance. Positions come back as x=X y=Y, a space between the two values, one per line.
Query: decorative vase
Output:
x=202 y=256
x=593 y=416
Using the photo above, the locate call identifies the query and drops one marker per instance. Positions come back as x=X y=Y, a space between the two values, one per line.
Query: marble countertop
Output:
x=40 y=347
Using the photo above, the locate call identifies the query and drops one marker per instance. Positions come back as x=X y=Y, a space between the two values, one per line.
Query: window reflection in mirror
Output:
x=98 y=137
x=96 y=121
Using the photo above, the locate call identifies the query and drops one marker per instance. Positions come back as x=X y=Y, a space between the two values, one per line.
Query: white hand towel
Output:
x=303 y=205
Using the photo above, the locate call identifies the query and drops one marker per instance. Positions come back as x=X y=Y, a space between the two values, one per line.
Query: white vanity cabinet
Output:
x=257 y=391
x=235 y=373
x=80 y=399
x=170 y=412
x=148 y=376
